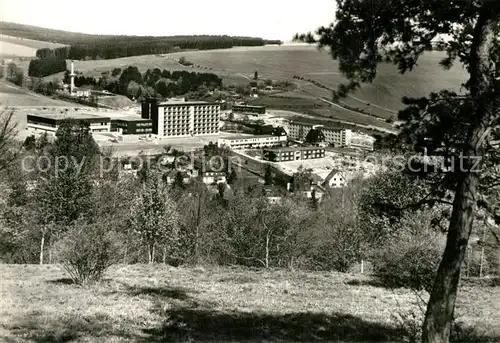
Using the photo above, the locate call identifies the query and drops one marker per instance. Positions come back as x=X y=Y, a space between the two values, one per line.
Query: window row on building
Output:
x=250 y=142
x=50 y=122
x=343 y=138
x=182 y=118
x=293 y=154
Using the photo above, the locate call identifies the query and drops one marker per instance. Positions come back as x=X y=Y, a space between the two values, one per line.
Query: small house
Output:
x=335 y=179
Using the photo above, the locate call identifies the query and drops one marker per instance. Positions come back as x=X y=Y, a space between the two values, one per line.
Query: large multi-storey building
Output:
x=251 y=142
x=337 y=137
x=183 y=118
x=293 y=154
x=50 y=122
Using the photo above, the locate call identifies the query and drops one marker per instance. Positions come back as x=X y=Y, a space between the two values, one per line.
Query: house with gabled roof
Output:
x=336 y=179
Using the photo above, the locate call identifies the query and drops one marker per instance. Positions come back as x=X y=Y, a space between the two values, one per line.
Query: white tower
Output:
x=72 y=75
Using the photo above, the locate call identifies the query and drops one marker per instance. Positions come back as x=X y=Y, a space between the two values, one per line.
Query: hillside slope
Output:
x=282 y=63
x=237 y=66
x=13 y=96
x=90 y=46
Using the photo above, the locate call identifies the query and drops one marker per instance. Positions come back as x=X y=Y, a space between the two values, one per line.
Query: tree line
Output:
x=86 y=46
x=61 y=52
x=152 y=83
x=46 y=66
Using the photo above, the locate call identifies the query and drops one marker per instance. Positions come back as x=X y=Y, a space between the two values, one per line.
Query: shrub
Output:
x=410 y=323
x=185 y=62
x=410 y=258
x=86 y=251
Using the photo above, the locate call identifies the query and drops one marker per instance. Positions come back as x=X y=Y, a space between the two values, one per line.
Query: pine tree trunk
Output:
x=440 y=308
x=439 y=317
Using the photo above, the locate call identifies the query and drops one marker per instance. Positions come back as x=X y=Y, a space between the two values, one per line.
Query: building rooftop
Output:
x=185 y=103
x=334 y=173
x=249 y=106
x=312 y=123
x=315 y=136
x=130 y=118
x=247 y=137
x=286 y=149
x=62 y=116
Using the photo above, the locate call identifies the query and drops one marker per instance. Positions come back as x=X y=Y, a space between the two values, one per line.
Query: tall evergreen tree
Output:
x=268 y=175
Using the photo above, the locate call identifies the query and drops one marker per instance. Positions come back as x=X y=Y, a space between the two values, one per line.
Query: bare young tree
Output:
x=8 y=131
x=154 y=217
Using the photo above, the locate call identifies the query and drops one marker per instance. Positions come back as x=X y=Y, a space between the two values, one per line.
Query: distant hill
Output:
x=23 y=47
x=88 y=46
x=281 y=63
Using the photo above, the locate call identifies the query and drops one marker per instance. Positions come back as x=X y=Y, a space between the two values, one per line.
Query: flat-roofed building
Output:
x=361 y=141
x=252 y=142
x=50 y=122
x=337 y=137
x=249 y=109
x=182 y=118
x=132 y=126
x=293 y=154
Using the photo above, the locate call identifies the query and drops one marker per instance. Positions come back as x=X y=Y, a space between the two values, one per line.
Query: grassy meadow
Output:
x=140 y=303
x=282 y=63
x=316 y=107
x=237 y=66
x=13 y=96
x=15 y=46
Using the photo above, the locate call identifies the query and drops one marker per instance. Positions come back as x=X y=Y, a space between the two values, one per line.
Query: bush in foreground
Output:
x=410 y=258
x=86 y=251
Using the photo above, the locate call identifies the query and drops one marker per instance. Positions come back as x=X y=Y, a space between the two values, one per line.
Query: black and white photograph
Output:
x=250 y=171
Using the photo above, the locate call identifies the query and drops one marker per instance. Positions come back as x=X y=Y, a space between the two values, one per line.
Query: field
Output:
x=142 y=303
x=13 y=96
x=10 y=50
x=315 y=107
x=97 y=67
x=281 y=63
x=21 y=47
x=237 y=66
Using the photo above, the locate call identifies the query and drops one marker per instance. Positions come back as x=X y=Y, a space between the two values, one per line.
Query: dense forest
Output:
x=86 y=46
x=46 y=66
x=154 y=82
x=62 y=52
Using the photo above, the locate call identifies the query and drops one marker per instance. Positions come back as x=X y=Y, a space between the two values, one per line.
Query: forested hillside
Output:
x=86 y=46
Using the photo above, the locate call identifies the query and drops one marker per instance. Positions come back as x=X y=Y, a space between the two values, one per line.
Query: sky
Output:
x=269 y=19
